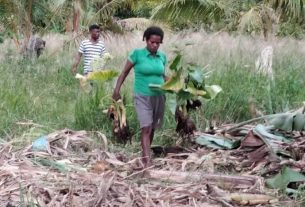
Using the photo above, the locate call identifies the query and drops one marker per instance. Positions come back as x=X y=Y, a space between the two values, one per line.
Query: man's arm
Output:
x=76 y=62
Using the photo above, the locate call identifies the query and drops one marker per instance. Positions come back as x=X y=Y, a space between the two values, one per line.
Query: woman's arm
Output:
x=116 y=94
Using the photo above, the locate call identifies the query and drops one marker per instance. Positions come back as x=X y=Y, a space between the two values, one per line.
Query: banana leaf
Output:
x=175 y=65
x=263 y=131
x=283 y=121
x=172 y=103
x=197 y=75
x=103 y=75
x=283 y=178
x=212 y=91
x=217 y=142
x=288 y=121
x=51 y=164
x=299 y=122
x=194 y=91
x=175 y=83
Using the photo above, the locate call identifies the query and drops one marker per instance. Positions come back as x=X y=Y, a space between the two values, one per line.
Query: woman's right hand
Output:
x=116 y=95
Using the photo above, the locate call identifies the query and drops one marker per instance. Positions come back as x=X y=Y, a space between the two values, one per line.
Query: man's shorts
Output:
x=150 y=110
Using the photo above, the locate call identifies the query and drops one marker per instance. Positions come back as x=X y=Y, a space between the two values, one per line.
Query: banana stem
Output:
x=184 y=110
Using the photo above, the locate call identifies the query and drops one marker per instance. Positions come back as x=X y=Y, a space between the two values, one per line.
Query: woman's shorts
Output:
x=150 y=110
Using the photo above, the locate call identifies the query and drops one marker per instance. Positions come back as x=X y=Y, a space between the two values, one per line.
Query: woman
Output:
x=149 y=67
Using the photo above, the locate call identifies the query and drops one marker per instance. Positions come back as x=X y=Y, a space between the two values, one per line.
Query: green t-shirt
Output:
x=148 y=69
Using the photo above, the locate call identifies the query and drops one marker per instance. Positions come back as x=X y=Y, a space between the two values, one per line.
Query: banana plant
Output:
x=120 y=128
x=99 y=73
x=116 y=110
x=187 y=82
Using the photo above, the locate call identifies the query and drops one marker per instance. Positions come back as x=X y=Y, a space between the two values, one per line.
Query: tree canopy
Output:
x=246 y=16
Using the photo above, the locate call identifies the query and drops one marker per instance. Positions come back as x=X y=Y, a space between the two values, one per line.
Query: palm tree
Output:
x=23 y=18
x=191 y=11
x=288 y=9
x=245 y=15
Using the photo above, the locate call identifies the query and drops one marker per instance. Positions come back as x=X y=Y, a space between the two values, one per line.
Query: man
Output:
x=90 y=48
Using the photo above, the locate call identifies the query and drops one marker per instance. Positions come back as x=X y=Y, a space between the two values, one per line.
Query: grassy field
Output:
x=44 y=92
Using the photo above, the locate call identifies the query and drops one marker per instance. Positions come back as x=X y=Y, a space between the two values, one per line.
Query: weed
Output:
x=45 y=92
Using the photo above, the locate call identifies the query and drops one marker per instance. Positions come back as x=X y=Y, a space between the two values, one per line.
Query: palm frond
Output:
x=204 y=11
x=107 y=9
x=290 y=9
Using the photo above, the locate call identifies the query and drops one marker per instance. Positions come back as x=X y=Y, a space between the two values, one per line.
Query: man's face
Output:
x=95 y=34
x=153 y=43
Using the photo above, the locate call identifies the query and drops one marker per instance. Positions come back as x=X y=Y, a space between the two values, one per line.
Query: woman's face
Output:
x=153 y=43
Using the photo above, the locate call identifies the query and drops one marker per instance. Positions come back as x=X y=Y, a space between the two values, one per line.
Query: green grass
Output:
x=45 y=92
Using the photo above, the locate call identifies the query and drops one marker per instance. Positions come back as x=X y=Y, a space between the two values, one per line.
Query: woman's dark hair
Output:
x=93 y=26
x=153 y=30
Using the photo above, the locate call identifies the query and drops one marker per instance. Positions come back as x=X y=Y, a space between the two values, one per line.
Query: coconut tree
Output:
x=288 y=9
x=191 y=11
x=246 y=16
x=23 y=18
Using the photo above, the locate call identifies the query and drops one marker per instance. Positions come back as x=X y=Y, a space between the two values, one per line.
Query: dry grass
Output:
x=75 y=171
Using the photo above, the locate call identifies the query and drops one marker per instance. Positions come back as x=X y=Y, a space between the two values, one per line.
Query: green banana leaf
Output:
x=174 y=84
x=217 y=142
x=288 y=121
x=212 y=91
x=194 y=91
x=103 y=75
x=299 y=122
x=175 y=65
x=50 y=164
x=283 y=121
x=283 y=178
x=172 y=103
x=197 y=75
x=262 y=131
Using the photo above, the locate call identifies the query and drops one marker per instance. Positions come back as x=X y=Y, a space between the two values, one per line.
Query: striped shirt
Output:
x=90 y=51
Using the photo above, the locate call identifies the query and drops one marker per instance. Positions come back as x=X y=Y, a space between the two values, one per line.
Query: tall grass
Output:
x=45 y=92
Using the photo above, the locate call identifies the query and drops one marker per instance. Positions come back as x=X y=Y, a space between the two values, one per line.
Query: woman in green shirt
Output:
x=149 y=68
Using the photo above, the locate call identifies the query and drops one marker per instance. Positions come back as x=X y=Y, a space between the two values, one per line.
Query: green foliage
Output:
x=289 y=9
x=22 y=18
x=188 y=12
x=104 y=75
x=45 y=92
x=136 y=8
x=292 y=29
x=88 y=111
x=217 y=142
x=41 y=91
x=289 y=121
x=188 y=81
x=232 y=15
x=244 y=16
x=286 y=176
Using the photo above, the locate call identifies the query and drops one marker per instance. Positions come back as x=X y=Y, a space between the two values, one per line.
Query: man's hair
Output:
x=93 y=26
x=153 y=30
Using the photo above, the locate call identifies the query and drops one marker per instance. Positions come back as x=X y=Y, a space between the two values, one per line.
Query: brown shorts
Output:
x=150 y=110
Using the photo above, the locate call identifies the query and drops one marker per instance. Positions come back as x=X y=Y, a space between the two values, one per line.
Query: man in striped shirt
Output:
x=90 y=48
